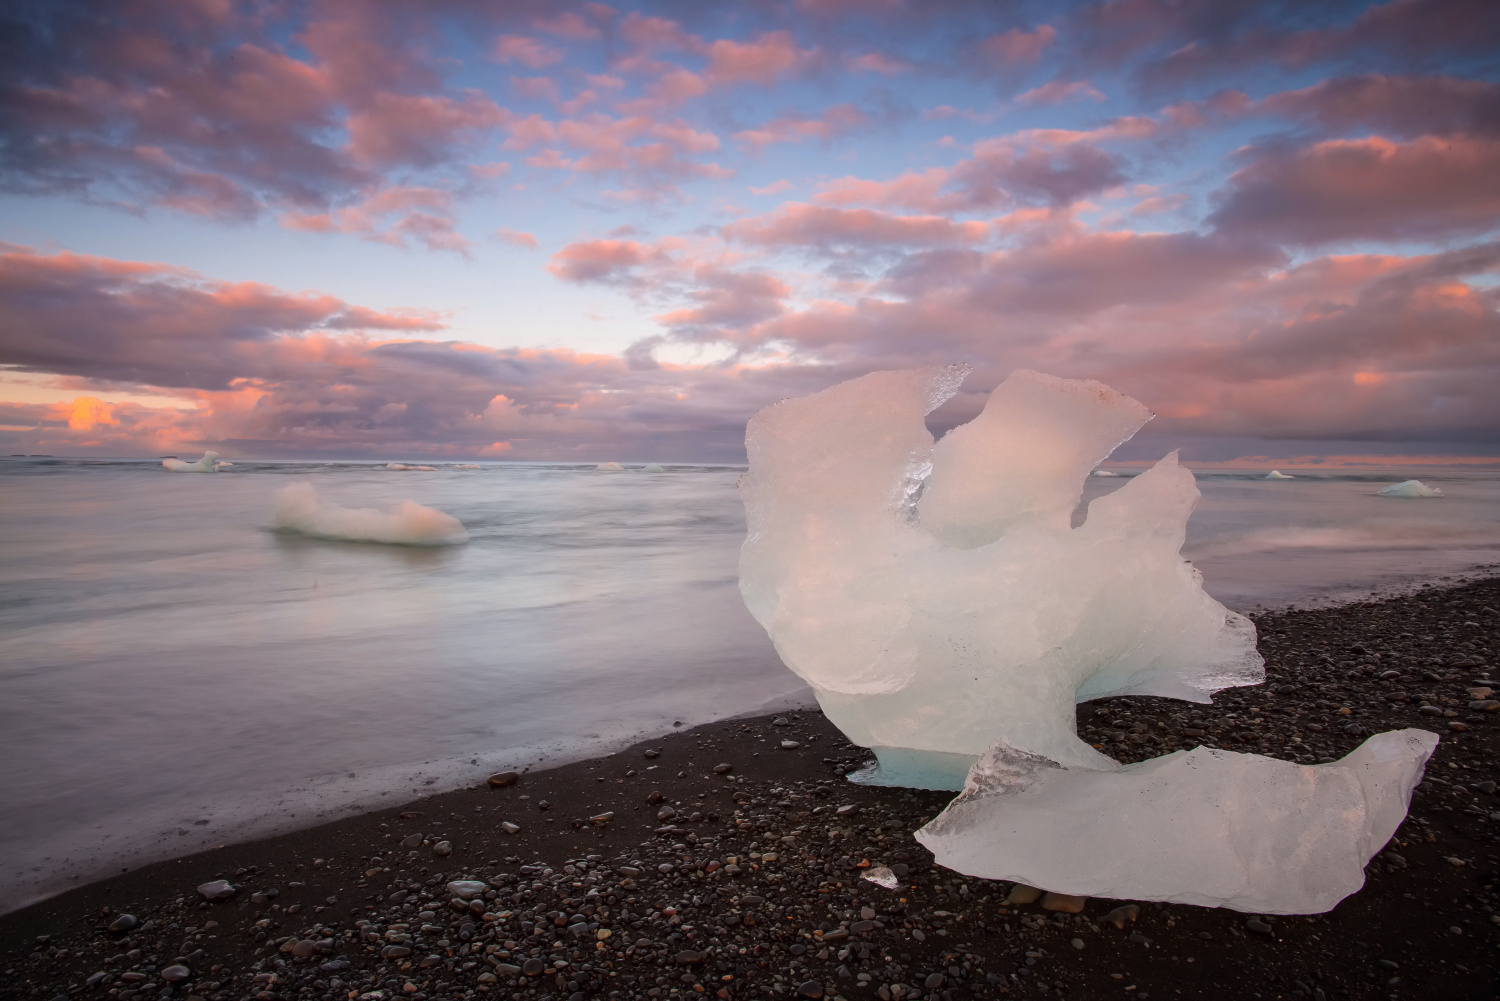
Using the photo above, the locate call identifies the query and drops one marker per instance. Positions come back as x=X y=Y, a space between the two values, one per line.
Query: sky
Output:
x=590 y=232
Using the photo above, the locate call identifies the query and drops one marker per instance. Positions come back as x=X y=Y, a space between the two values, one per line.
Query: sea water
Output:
x=175 y=675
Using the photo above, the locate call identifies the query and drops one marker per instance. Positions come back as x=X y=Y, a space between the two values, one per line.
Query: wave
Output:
x=300 y=510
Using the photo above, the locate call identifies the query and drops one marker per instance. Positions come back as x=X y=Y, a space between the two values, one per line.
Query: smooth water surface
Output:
x=175 y=675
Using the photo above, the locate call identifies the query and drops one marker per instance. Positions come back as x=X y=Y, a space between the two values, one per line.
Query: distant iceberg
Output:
x=1277 y=474
x=203 y=465
x=404 y=466
x=466 y=465
x=1409 y=488
x=300 y=510
x=654 y=467
x=609 y=467
x=1104 y=472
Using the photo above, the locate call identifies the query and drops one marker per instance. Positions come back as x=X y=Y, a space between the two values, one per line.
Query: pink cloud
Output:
x=568 y=24
x=793 y=128
x=516 y=238
x=599 y=260
x=774 y=188
x=796 y=224
x=763 y=60
x=879 y=62
x=536 y=88
x=1406 y=106
x=1372 y=189
x=1060 y=92
x=391 y=216
x=1018 y=45
x=655 y=34
x=421 y=131
x=527 y=51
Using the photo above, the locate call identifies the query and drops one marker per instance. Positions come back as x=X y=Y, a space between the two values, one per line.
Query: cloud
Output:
x=1017 y=45
x=1059 y=92
x=1402 y=106
x=527 y=51
x=797 y=224
x=793 y=128
x=516 y=238
x=599 y=260
x=1364 y=189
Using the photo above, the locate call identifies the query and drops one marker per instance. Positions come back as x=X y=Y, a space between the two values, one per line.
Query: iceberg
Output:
x=1208 y=827
x=936 y=597
x=609 y=467
x=1277 y=474
x=203 y=465
x=301 y=511
x=1104 y=472
x=654 y=467
x=1409 y=488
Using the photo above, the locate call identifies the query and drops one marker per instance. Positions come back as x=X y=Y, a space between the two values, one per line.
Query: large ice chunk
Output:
x=1409 y=488
x=937 y=598
x=203 y=465
x=300 y=510
x=1206 y=826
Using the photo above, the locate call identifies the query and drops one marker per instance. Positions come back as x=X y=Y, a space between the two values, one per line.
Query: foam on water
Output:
x=299 y=509
x=405 y=468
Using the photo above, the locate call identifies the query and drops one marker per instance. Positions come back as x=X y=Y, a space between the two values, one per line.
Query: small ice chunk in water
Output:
x=1207 y=827
x=1409 y=488
x=609 y=467
x=403 y=467
x=300 y=510
x=1104 y=472
x=1277 y=474
x=936 y=596
x=654 y=467
x=466 y=465
x=203 y=465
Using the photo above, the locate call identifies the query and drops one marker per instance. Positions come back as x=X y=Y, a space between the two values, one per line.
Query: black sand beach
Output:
x=720 y=861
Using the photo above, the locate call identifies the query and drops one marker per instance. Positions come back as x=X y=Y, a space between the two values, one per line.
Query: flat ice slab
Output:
x=1208 y=827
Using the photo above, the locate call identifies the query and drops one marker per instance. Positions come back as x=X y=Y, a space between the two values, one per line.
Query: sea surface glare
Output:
x=175 y=675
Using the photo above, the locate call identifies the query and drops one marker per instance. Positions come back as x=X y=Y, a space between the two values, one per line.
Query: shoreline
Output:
x=801 y=916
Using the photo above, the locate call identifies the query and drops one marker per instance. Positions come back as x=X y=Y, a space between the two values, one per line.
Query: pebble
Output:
x=123 y=923
x=175 y=974
x=1064 y=902
x=1120 y=916
x=500 y=780
x=810 y=989
x=790 y=745
x=510 y=828
x=467 y=889
x=218 y=889
x=443 y=849
x=1023 y=894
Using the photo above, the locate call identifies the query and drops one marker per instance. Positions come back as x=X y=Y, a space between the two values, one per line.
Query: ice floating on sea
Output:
x=1409 y=488
x=1207 y=827
x=609 y=467
x=654 y=467
x=935 y=596
x=203 y=465
x=401 y=466
x=1104 y=472
x=466 y=465
x=300 y=510
x=1277 y=474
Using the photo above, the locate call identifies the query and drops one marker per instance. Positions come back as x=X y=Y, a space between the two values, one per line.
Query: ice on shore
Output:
x=1277 y=474
x=1409 y=488
x=1207 y=827
x=203 y=465
x=609 y=467
x=299 y=509
x=935 y=596
x=404 y=467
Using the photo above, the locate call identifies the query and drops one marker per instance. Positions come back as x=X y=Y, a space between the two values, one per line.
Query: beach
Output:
x=726 y=860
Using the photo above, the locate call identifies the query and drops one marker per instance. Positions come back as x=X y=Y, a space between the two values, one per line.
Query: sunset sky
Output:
x=589 y=232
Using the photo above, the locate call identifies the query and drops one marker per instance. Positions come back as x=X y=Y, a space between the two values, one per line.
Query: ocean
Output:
x=175 y=675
